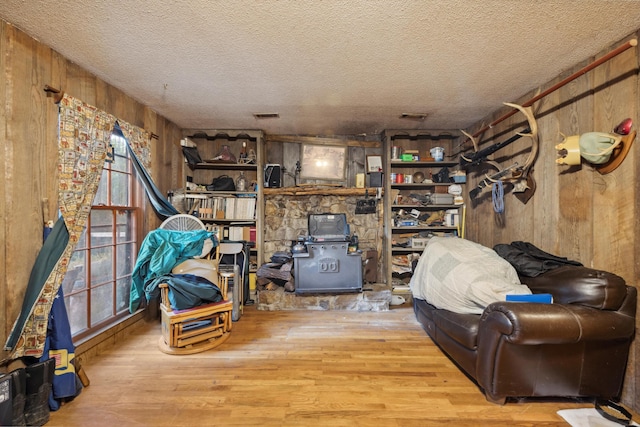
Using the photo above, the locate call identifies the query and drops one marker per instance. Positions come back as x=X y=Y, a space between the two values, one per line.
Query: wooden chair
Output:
x=233 y=273
x=200 y=328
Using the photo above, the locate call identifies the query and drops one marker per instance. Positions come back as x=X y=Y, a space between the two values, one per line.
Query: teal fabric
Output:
x=161 y=250
x=48 y=257
x=160 y=205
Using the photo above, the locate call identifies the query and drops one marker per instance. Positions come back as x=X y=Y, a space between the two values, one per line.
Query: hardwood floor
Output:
x=294 y=368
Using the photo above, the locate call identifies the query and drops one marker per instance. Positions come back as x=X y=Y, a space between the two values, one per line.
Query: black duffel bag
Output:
x=222 y=183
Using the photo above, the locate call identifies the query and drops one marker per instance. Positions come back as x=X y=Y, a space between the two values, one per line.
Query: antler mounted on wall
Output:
x=524 y=185
x=519 y=175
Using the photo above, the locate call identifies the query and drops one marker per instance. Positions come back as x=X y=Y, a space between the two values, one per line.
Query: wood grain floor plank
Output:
x=295 y=368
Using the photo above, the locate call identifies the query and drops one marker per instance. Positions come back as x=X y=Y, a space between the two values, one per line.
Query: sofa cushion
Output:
x=580 y=285
x=463 y=276
x=463 y=328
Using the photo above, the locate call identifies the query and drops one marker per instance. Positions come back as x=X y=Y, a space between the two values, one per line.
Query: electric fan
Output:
x=182 y=222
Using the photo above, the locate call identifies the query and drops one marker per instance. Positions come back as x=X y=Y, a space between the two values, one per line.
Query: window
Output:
x=98 y=280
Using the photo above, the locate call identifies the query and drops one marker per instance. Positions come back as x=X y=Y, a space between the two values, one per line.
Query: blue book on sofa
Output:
x=541 y=298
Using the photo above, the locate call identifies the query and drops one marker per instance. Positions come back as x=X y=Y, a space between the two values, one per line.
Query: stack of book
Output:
x=235 y=232
x=240 y=208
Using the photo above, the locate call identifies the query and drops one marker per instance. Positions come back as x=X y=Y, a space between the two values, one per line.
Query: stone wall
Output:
x=286 y=219
x=374 y=297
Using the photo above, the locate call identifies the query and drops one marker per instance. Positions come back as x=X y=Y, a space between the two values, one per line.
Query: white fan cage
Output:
x=183 y=222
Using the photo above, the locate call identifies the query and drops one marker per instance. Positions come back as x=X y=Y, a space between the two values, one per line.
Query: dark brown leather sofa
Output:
x=576 y=347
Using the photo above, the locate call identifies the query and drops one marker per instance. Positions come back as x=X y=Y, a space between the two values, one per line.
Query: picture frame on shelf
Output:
x=374 y=164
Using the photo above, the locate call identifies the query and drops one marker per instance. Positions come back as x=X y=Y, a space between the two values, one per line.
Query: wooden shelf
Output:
x=201 y=194
x=239 y=221
x=401 y=250
x=420 y=141
x=421 y=185
x=426 y=207
x=225 y=166
x=419 y=164
x=417 y=228
x=210 y=142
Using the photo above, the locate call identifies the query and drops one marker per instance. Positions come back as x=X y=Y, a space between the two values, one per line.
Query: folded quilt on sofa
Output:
x=463 y=276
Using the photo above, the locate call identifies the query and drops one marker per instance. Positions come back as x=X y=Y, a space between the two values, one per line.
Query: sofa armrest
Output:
x=580 y=285
x=532 y=323
x=531 y=349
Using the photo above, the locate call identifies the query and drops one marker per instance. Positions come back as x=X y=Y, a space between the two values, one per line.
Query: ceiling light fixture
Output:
x=266 y=115
x=413 y=116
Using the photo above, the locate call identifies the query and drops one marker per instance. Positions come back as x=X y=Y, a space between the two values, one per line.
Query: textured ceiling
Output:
x=331 y=67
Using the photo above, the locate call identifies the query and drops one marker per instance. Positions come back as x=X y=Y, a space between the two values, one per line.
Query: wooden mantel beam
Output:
x=319 y=190
x=321 y=141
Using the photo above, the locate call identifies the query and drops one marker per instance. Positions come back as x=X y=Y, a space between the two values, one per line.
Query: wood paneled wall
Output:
x=575 y=212
x=28 y=165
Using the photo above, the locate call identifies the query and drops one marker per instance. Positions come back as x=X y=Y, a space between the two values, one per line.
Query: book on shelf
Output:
x=245 y=207
x=226 y=208
x=230 y=208
x=237 y=232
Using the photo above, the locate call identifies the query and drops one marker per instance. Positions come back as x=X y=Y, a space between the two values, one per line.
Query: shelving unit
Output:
x=245 y=220
x=411 y=211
